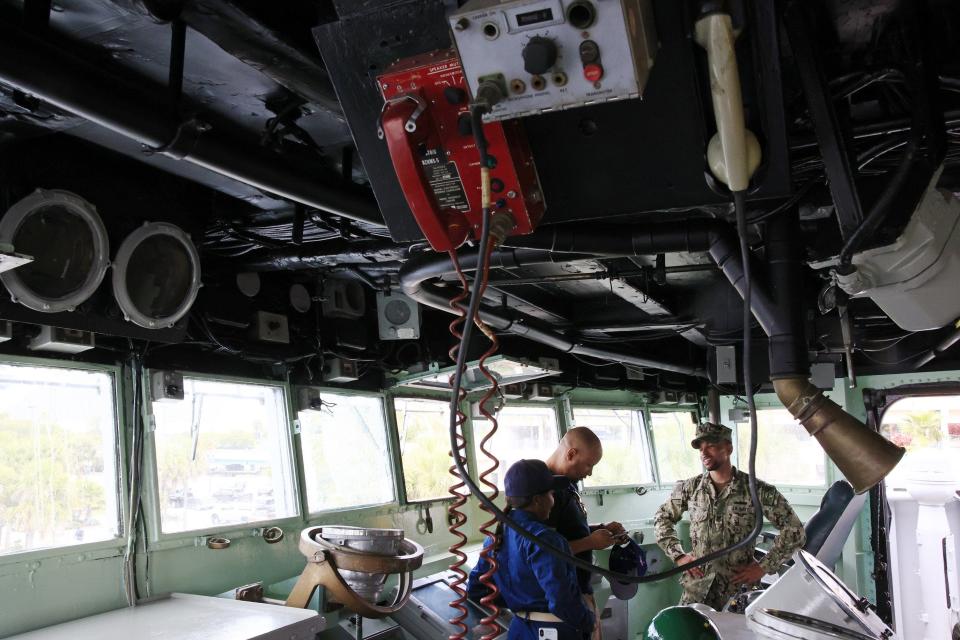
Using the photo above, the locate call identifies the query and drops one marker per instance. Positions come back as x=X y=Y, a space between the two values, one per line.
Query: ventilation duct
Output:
x=156 y=275
x=69 y=245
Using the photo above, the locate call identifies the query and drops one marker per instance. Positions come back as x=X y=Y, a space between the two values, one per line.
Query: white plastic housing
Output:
x=135 y=304
x=914 y=280
x=63 y=202
x=809 y=591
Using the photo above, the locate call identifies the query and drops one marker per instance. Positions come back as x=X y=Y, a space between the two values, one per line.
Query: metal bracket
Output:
x=184 y=140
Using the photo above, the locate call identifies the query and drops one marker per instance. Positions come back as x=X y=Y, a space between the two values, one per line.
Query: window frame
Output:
x=648 y=437
x=400 y=475
x=122 y=388
x=651 y=409
x=151 y=493
x=392 y=451
x=473 y=440
x=828 y=475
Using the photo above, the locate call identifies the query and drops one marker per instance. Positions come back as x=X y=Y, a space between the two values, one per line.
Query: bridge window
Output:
x=223 y=456
x=424 y=426
x=786 y=454
x=672 y=432
x=928 y=427
x=58 y=458
x=346 y=458
x=626 y=456
x=522 y=432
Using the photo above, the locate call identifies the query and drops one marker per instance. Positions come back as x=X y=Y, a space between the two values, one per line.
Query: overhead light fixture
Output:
x=506 y=369
x=156 y=275
x=64 y=235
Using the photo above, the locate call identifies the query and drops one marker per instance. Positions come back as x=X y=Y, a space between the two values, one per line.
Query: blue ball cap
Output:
x=529 y=478
x=631 y=559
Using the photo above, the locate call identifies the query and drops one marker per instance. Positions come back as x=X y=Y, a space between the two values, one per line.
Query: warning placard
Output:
x=444 y=180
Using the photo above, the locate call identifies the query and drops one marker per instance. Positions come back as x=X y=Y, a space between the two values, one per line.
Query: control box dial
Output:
x=555 y=54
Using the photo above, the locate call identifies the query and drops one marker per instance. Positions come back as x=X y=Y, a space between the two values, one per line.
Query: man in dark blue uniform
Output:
x=539 y=588
x=574 y=458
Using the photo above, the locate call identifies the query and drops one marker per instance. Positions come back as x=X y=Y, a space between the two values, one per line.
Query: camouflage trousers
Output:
x=713 y=590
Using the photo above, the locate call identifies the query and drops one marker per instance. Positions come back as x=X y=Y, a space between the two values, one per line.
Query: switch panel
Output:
x=166 y=385
x=555 y=54
x=271 y=327
x=726 y=364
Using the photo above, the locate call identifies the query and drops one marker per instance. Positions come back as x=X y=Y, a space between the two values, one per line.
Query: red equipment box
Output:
x=425 y=123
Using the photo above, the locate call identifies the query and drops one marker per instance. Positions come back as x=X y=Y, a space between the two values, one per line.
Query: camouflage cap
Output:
x=711 y=431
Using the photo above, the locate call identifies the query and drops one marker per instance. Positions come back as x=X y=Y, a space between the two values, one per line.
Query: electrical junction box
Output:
x=822 y=375
x=308 y=399
x=540 y=391
x=727 y=365
x=340 y=370
x=166 y=385
x=62 y=340
x=555 y=54
x=271 y=327
x=513 y=391
x=666 y=397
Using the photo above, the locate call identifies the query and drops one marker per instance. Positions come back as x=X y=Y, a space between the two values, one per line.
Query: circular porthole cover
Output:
x=156 y=275
x=64 y=235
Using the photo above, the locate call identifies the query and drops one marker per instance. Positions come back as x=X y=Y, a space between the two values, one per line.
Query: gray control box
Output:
x=398 y=316
x=166 y=385
x=555 y=54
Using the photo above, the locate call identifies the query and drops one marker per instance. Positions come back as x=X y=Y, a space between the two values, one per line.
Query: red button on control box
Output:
x=592 y=72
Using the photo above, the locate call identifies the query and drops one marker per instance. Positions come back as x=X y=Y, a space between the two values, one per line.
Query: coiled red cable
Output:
x=493 y=629
x=458 y=518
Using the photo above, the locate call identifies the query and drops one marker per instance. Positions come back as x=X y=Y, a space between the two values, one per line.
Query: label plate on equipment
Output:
x=444 y=180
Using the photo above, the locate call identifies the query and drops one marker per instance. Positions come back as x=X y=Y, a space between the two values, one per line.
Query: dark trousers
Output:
x=529 y=630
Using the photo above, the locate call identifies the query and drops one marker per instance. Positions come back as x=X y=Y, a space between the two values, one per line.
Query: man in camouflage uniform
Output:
x=721 y=513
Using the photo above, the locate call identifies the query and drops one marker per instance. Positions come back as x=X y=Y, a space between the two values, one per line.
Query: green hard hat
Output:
x=681 y=623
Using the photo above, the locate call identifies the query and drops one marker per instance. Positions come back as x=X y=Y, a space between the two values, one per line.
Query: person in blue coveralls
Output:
x=540 y=589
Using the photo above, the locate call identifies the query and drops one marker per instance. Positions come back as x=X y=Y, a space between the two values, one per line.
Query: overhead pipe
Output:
x=40 y=69
x=416 y=274
x=862 y=455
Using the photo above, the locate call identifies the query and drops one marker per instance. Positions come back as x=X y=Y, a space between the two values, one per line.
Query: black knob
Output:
x=539 y=55
x=455 y=95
